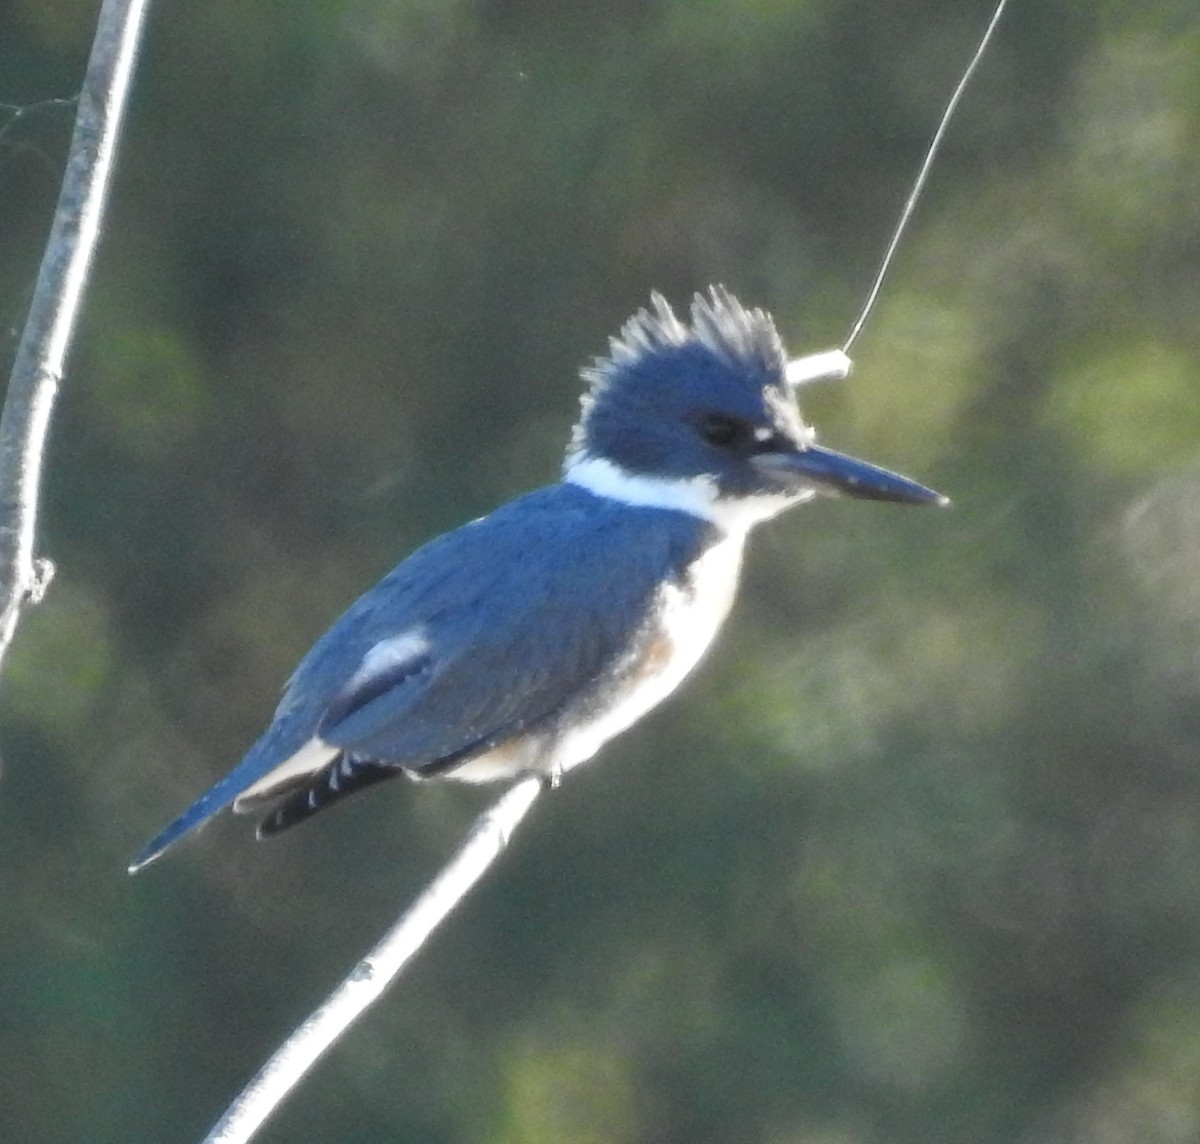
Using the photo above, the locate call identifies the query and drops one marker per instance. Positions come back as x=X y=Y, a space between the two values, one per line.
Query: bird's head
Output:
x=702 y=416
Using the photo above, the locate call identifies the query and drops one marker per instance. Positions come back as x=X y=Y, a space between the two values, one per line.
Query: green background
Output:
x=916 y=855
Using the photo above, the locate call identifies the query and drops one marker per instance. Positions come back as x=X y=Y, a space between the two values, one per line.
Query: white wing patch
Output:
x=389 y=654
x=316 y=754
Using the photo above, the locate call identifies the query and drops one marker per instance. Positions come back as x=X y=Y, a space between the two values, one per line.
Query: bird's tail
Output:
x=208 y=804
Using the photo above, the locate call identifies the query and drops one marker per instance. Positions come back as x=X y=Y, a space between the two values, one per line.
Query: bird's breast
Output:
x=687 y=614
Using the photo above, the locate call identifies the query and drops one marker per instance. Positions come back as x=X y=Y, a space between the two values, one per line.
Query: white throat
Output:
x=696 y=496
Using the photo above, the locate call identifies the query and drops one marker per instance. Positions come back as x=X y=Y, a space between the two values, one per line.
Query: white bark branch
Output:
x=488 y=837
x=42 y=352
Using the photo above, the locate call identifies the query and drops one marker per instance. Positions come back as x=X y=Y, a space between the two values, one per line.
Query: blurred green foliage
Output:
x=915 y=858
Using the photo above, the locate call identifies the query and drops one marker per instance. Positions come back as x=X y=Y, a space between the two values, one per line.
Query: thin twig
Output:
x=42 y=353
x=488 y=836
x=918 y=186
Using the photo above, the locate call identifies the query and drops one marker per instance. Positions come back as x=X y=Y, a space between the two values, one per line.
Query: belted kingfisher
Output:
x=523 y=641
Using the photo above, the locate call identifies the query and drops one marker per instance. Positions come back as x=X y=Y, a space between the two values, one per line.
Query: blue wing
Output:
x=483 y=632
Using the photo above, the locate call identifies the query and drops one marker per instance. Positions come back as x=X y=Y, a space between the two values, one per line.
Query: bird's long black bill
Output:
x=837 y=473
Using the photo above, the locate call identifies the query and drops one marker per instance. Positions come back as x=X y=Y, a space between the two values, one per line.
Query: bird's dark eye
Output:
x=723 y=431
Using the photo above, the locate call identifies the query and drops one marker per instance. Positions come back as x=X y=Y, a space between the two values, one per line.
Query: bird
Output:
x=522 y=642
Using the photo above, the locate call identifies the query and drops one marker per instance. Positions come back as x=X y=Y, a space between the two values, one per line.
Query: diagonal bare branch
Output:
x=488 y=837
